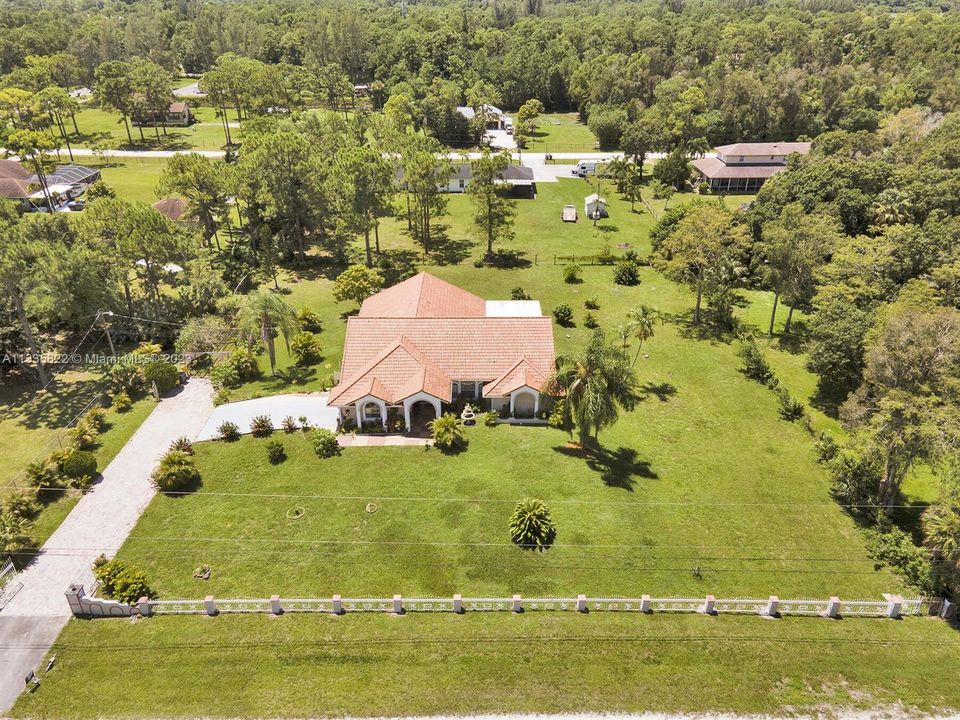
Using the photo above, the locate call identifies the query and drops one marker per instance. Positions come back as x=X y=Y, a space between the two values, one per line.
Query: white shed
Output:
x=594 y=207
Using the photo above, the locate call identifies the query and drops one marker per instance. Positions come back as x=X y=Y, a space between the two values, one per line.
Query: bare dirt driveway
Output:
x=99 y=523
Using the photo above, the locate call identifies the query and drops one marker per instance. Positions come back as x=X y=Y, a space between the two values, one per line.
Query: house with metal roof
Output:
x=424 y=344
x=745 y=167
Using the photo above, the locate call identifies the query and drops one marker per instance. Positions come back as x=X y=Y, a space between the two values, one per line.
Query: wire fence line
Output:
x=891 y=606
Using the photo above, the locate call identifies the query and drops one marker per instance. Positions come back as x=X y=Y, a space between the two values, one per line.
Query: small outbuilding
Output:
x=594 y=207
x=172 y=208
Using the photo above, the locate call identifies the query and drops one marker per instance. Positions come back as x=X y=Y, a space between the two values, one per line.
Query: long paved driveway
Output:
x=99 y=523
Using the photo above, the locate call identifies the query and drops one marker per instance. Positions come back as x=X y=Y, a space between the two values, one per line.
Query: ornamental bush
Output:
x=275 y=452
x=518 y=293
x=590 y=320
x=571 y=273
x=96 y=418
x=182 y=444
x=591 y=303
x=755 y=365
x=305 y=348
x=80 y=464
x=309 y=320
x=563 y=314
x=531 y=525
x=21 y=503
x=229 y=431
x=325 y=443
x=289 y=425
x=121 y=401
x=176 y=473
x=261 y=426
x=162 y=373
x=625 y=273
x=447 y=432
x=120 y=581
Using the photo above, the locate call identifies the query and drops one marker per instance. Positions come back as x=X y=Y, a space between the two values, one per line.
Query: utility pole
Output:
x=107 y=313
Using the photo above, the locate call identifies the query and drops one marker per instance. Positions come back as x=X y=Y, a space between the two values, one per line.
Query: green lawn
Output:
x=318 y=666
x=562 y=132
x=133 y=179
x=96 y=125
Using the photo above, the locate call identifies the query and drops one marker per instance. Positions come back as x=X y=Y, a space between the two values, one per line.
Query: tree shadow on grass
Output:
x=617 y=468
x=507 y=259
x=293 y=375
x=445 y=250
x=661 y=391
x=54 y=407
x=708 y=328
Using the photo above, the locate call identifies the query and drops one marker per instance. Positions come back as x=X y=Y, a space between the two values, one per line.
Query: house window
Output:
x=371 y=412
x=462 y=184
x=465 y=387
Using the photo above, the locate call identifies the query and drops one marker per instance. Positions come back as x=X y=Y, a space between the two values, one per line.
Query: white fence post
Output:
x=645 y=604
x=143 y=606
x=833 y=608
x=708 y=606
x=75 y=593
x=398 y=605
x=458 y=603
x=517 y=606
x=772 y=608
x=894 y=606
x=337 y=605
x=209 y=605
x=581 y=603
x=275 y=604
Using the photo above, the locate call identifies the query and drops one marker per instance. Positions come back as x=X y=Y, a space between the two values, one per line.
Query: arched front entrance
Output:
x=421 y=413
x=524 y=405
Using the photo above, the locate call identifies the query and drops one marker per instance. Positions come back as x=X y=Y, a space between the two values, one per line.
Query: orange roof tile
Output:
x=522 y=374
x=423 y=296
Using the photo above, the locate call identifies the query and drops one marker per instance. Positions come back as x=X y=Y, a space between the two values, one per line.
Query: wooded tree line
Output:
x=664 y=74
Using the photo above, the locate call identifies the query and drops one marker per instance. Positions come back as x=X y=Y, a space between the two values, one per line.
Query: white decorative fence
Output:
x=892 y=606
x=9 y=583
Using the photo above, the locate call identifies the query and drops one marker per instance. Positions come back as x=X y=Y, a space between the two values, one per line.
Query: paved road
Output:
x=99 y=523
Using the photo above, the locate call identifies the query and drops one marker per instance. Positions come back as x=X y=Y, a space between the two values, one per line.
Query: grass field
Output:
x=312 y=666
x=561 y=132
x=98 y=125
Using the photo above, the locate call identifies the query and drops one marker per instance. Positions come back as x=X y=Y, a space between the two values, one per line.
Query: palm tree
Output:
x=596 y=382
x=447 y=431
x=618 y=170
x=14 y=534
x=941 y=528
x=643 y=321
x=265 y=315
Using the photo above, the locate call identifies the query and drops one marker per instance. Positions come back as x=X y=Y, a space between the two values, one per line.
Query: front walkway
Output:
x=99 y=523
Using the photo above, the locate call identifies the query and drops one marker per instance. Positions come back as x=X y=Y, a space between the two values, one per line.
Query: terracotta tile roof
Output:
x=423 y=296
x=172 y=208
x=715 y=168
x=14 y=189
x=522 y=374
x=764 y=148
x=178 y=107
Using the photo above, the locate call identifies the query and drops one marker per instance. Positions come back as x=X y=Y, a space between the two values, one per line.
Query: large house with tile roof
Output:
x=424 y=343
x=745 y=167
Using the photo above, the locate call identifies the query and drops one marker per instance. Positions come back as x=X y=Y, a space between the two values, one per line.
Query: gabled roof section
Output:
x=764 y=148
x=396 y=373
x=423 y=296
x=13 y=170
x=521 y=374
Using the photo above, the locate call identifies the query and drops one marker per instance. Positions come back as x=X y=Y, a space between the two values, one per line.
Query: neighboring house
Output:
x=172 y=208
x=424 y=344
x=15 y=181
x=178 y=113
x=594 y=207
x=744 y=167
x=496 y=119
x=518 y=177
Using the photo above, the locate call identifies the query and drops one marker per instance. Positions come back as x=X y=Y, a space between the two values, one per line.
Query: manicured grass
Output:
x=205 y=134
x=317 y=666
x=133 y=179
x=562 y=132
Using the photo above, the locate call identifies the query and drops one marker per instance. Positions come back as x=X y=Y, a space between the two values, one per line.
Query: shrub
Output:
x=289 y=425
x=121 y=401
x=79 y=464
x=605 y=256
x=275 y=452
x=518 y=293
x=826 y=447
x=14 y=534
x=304 y=422
x=591 y=303
x=305 y=348
x=446 y=431
x=182 y=444
x=175 y=473
x=625 y=273
x=531 y=525
x=755 y=365
x=120 y=581
x=325 y=443
x=229 y=431
x=220 y=397
x=83 y=436
x=96 y=418
x=790 y=408
x=558 y=415
x=563 y=314
x=125 y=376
x=224 y=375
x=489 y=419
x=893 y=547
x=163 y=374
x=261 y=426
x=571 y=273
x=590 y=320
x=309 y=320
x=22 y=503
x=855 y=479
x=245 y=362
x=45 y=473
